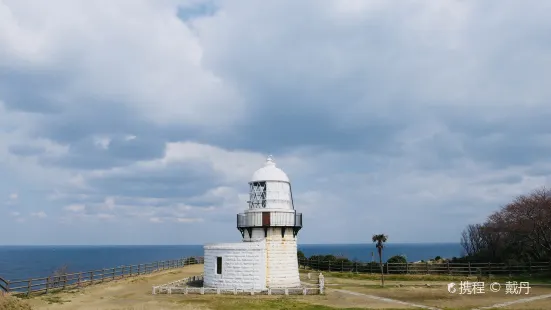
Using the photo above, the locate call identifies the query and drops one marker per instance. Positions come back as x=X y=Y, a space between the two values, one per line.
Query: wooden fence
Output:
x=446 y=268
x=3 y=285
x=80 y=279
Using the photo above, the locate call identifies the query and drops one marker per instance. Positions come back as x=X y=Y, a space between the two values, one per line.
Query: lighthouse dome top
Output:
x=269 y=172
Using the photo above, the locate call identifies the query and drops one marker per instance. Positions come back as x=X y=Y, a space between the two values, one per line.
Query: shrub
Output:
x=300 y=255
x=190 y=261
x=397 y=263
x=59 y=276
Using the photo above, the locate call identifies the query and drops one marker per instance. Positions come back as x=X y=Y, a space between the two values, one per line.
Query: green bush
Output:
x=190 y=261
x=397 y=264
x=300 y=255
x=397 y=259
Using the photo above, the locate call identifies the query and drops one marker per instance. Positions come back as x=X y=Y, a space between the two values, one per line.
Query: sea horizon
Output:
x=28 y=261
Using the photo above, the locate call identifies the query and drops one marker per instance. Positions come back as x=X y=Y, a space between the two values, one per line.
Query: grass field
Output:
x=535 y=279
x=344 y=291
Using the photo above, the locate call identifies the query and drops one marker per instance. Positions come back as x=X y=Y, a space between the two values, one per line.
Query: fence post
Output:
x=342 y=266
x=407 y=267
x=29 y=284
x=113 y=274
x=47 y=284
x=470 y=273
x=449 y=270
x=329 y=265
x=79 y=277
x=371 y=267
x=489 y=268
x=319 y=263
x=387 y=268
x=427 y=265
x=91 y=277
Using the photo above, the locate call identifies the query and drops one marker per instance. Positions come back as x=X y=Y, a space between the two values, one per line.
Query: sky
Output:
x=141 y=122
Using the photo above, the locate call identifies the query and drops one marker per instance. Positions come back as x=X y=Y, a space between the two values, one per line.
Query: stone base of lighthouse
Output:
x=281 y=259
x=267 y=258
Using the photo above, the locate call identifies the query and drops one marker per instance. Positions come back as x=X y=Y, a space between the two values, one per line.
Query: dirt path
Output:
x=392 y=302
x=529 y=300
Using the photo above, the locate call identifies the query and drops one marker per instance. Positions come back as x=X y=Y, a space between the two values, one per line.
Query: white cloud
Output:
x=105 y=216
x=40 y=214
x=188 y=220
x=127 y=116
x=109 y=203
x=75 y=208
x=14 y=196
x=102 y=142
x=159 y=71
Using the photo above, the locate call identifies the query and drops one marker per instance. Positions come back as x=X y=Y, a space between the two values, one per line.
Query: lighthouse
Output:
x=267 y=255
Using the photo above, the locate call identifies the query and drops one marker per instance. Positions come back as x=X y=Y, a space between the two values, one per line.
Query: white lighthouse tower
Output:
x=267 y=257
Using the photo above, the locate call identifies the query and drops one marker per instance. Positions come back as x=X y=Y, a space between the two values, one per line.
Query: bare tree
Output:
x=519 y=231
x=59 y=276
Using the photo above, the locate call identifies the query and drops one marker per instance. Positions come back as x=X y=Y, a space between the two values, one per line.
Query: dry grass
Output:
x=536 y=279
x=435 y=293
x=8 y=302
x=135 y=294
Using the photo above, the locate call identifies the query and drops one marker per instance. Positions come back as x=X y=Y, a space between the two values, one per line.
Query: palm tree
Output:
x=380 y=244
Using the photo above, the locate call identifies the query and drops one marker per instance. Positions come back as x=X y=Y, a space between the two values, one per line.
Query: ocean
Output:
x=22 y=262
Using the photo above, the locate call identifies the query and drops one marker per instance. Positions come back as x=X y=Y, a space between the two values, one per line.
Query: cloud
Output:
x=188 y=220
x=40 y=214
x=75 y=208
x=155 y=220
x=116 y=117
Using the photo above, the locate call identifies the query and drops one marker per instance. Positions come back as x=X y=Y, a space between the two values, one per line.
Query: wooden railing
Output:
x=3 y=285
x=80 y=279
x=445 y=268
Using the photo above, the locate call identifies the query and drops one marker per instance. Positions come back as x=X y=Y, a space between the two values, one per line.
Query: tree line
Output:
x=519 y=232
